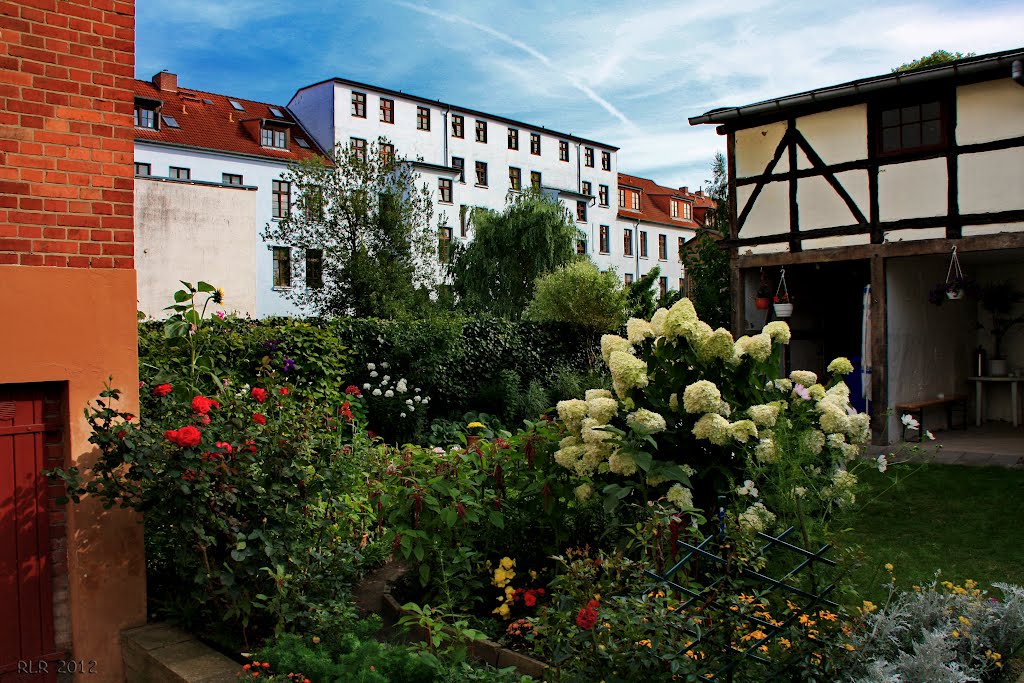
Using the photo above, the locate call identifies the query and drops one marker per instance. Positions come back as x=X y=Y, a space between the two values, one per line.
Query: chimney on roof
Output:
x=165 y=80
x=699 y=193
x=684 y=189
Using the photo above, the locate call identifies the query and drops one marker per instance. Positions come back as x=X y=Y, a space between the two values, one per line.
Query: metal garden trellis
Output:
x=706 y=597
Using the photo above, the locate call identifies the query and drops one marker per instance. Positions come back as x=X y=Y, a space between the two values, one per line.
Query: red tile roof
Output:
x=209 y=121
x=655 y=203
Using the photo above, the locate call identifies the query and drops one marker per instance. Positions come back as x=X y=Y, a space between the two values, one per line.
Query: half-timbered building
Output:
x=870 y=184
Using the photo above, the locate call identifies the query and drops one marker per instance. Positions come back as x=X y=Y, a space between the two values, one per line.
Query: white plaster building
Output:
x=871 y=183
x=471 y=158
x=225 y=157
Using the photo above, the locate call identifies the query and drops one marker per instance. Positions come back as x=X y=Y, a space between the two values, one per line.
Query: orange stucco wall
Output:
x=77 y=325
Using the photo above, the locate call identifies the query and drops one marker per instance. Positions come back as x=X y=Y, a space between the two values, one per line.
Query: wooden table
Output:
x=979 y=381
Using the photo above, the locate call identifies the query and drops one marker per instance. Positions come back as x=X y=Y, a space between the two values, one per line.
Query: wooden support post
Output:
x=879 y=353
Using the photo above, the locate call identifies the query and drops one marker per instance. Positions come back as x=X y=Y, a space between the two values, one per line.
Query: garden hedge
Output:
x=463 y=363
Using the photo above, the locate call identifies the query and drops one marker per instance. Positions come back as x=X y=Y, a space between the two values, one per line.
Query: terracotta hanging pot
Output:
x=762 y=303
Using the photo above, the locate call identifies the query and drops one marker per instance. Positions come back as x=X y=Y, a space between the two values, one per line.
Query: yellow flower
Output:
x=218 y=296
x=868 y=607
x=888 y=566
x=645 y=642
x=475 y=424
x=507 y=563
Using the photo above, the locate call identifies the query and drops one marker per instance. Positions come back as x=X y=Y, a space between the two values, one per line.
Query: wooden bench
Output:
x=950 y=403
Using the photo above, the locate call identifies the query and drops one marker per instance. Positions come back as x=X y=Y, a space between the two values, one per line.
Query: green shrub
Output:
x=579 y=293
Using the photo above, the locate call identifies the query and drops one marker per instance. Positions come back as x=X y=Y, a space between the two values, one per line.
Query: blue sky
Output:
x=628 y=74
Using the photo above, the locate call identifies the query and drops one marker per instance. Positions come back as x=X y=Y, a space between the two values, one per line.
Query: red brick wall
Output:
x=66 y=133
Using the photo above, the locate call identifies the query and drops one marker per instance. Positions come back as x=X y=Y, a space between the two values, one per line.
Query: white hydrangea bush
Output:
x=695 y=411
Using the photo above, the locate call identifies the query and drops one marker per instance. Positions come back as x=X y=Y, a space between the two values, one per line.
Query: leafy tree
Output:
x=495 y=273
x=370 y=220
x=579 y=293
x=641 y=300
x=706 y=260
x=937 y=57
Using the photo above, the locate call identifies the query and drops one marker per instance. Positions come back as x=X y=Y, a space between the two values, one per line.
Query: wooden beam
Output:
x=817 y=163
x=998 y=242
x=783 y=143
x=953 y=225
x=730 y=150
x=1011 y=216
x=738 y=295
x=879 y=352
x=794 y=207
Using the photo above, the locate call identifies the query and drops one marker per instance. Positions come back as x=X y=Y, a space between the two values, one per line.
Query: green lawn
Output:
x=966 y=521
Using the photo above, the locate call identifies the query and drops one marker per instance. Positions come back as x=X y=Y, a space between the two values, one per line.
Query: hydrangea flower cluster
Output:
x=382 y=387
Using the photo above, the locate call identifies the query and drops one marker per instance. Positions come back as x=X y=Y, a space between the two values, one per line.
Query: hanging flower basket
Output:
x=763 y=299
x=783 y=302
x=956 y=285
x=762 y=303
x=783 y=310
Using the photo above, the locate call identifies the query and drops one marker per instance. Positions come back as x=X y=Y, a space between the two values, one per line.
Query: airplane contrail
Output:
x=536 y=54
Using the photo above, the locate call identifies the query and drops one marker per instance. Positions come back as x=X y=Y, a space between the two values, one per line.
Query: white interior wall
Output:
x=930 y=347
x=997 y=398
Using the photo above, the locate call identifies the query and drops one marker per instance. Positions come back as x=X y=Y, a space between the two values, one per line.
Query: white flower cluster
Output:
x=385 y=388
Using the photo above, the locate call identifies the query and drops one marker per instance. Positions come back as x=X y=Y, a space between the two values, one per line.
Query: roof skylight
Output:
x=301 y=142
x=236 y=105
x=276 y=112
x=170 y=121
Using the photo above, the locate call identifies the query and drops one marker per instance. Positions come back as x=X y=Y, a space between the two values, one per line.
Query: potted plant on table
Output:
x=1000 y=299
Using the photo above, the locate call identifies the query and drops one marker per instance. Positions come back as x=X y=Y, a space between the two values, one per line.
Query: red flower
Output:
x=353 y=390
x=283 y=391
x=586 y=617
x=188 y=475
x=251 y=445
x=204 y=419
x=259 y=419
x=202 y=405
x=210 y=457
x=346 y=411
x=121 y=434
x=530 y=598
x=162 y=390
x=501 y=443
x=185 y=437
x=225 y=446
x=259 y=393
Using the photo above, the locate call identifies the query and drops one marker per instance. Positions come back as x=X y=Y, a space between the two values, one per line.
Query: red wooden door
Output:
x=26 y=588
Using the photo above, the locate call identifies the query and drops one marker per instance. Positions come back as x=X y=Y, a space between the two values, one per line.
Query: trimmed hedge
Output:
x=480 y=364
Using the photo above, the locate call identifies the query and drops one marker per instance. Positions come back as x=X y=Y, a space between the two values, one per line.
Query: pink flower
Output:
x=220 y=314
x=801 y=391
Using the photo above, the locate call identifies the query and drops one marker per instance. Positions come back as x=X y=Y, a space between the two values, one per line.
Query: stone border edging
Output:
x=161 y=653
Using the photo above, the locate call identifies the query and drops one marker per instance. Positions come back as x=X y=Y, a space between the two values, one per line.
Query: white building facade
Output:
x=219 y=149
x=473 y=159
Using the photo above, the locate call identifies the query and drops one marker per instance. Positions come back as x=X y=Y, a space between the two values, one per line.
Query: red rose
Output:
x=259 y=394
x=586 y=618
x=251 y=445
x=202 y=405
x=283 y=391
x=162 y=390
x=530 y=598
x=353 y=390
x=184 y=437
x=259 y=419
x=225 y=446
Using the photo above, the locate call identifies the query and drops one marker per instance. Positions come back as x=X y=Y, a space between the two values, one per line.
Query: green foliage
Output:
x=579 y=293
x=935 y=58
x=706 y=260
x=496 y=272
x=640 y=295
x=460 y=363
x=370 y=218
x=352 y=658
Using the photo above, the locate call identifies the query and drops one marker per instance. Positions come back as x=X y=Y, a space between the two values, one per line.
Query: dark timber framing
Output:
x=874 y=94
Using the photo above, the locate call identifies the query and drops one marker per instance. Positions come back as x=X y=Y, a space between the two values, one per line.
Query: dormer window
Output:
x=146 y=114
x=273 y=137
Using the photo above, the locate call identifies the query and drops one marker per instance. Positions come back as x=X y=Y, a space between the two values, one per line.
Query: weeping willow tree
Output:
x=496 y=272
